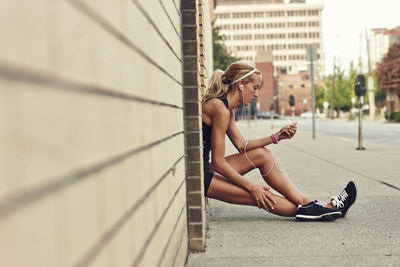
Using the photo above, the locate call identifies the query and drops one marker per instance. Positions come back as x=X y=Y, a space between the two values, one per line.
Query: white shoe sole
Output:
x=324 y=217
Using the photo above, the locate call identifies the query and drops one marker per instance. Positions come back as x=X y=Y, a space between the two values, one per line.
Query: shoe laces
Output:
x=320 y=203
x=338 y=201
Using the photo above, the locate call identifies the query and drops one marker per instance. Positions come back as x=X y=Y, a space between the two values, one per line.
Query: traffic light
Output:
x=359 y=87
x=291 y=100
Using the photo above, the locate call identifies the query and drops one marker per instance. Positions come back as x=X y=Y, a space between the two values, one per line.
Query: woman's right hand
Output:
x=262 y=197
x=287 y=132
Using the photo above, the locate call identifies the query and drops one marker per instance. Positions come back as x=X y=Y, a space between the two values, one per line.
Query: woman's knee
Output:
x=263 y=155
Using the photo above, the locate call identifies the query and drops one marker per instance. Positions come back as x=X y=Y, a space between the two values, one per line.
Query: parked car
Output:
x=307 y=114
x=267 y=115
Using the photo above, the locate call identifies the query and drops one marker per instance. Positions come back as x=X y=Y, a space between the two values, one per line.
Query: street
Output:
x=373 y=132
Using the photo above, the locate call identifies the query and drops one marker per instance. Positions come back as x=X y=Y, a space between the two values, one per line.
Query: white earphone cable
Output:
x=247 y=141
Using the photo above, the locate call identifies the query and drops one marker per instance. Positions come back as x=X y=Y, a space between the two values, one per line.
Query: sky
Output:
x=343 y=21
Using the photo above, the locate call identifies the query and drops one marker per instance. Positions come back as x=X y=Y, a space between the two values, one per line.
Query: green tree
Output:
x=320 y=96
x=380 y=95
x=351 y=80
x=344 y=88
x=222 y=58
x=342 y=92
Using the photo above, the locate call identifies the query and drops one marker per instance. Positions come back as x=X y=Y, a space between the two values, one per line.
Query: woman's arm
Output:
x=286 y=132
x=234 y=134
x=239 y=141
x=220 y=123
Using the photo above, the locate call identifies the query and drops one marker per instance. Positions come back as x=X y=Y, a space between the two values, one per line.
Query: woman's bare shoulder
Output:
x=215 y=106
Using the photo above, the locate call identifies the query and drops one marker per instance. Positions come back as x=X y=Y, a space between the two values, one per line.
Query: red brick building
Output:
x=299 y=86
x=266 y=94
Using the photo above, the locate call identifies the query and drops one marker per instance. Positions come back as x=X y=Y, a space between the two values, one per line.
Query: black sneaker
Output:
x=315 y=211
x=344 y=200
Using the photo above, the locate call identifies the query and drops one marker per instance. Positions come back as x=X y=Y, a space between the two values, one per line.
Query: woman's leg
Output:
x=276 y=178
x=223 y=190
x=262 y=158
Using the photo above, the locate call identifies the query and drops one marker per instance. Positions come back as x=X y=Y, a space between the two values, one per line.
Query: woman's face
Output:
x=250 y=90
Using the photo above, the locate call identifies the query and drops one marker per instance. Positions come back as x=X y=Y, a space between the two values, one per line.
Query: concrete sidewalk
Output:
x=368 y=236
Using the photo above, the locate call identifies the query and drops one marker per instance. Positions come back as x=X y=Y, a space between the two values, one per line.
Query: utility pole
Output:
x=311 y=55
x=333 y=90
x=313 y=96
x=371 y=94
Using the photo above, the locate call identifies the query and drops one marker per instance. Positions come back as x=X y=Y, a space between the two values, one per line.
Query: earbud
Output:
x=241 y=87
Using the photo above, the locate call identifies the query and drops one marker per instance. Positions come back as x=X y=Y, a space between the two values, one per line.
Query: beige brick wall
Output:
x=197 y=62
x=208 y=54
x=92 y=169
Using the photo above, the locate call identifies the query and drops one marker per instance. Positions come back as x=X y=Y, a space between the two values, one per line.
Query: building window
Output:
x=313 y=34
x=260 y=47
x=275 y=14
x=297 y=24
x=313 y=12
x=223 y=16
x=242 y=15
x=300 y=46
x=296 y=13
x=276 y=36
x=242 y=37
x=296 y=35
x=241 y=26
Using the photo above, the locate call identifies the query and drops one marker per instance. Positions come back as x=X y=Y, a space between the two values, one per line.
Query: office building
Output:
x=283 y=27
x=380 y=41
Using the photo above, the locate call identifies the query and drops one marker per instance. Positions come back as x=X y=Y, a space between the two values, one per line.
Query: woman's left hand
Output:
x=287 y=132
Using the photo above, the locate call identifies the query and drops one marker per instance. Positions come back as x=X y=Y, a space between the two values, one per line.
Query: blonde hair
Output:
x=222 y=82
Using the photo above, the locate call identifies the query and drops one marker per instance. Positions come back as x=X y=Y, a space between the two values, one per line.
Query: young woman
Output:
x=223 y=177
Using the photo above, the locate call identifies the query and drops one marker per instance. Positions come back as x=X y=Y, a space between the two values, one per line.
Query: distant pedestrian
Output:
x=223 y=177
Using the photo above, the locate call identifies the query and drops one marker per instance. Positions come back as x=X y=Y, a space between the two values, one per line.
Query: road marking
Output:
x=343 y=138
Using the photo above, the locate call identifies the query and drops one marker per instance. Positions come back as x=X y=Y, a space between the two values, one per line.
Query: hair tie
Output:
x=224 y=81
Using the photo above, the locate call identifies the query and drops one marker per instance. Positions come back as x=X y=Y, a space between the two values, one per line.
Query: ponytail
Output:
x=215 y=86
x=222 y=82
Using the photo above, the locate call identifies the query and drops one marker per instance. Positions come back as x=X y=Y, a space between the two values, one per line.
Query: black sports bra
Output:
x=207 y=129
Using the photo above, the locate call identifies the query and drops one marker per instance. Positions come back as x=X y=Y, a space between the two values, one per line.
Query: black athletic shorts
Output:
x=208 y=175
